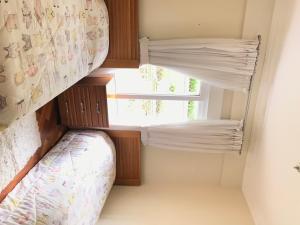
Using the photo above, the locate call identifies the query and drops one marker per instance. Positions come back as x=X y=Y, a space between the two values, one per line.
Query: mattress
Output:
x=68 y=186
x=46 y=47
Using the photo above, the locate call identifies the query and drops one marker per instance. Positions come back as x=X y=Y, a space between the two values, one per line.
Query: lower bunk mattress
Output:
x=68 y=186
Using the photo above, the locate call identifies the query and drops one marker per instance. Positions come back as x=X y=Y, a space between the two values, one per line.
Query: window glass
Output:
x=149 y=112
x=155 y=81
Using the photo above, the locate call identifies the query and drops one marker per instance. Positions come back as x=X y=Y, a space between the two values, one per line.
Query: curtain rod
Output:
x=250 y=92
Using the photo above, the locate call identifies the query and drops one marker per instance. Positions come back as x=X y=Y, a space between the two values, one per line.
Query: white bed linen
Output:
x=15 y=149
x=45 y=47
x=68 y=186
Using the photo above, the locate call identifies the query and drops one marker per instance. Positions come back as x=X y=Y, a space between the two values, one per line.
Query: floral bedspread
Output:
x=45 y=47
x=15 y=149
x=68 y=186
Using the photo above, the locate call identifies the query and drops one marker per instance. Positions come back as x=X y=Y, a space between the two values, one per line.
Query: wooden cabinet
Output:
x=128 y=150
x=84 y=105
x=124 y=34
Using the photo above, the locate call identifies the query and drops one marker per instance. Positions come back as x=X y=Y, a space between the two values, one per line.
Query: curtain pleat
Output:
x=197 y=136
x=226 y=63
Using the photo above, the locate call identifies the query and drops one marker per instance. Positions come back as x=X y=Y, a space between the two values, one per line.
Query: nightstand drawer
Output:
x=84 y=106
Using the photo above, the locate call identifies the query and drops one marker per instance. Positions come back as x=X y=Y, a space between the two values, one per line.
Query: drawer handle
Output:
x=67 y=107
x=81 y=106
x=97 y=108
x=297 y=168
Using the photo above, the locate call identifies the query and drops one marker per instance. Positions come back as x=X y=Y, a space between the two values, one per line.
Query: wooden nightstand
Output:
x=128 y=151
x=84 y=105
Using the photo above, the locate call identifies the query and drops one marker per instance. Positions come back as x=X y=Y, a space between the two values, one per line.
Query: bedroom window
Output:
x=153 y=95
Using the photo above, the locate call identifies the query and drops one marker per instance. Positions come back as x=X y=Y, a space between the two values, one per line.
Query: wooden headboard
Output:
x=127 y=143
x=124 y=49
x=128 y=150
x=51 y=131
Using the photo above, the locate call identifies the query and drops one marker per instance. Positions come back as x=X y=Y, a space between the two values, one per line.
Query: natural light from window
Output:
x=152 y=95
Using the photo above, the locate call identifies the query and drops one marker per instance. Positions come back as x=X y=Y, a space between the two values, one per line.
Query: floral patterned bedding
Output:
x=68 y=186
x=45 y=47
x=15 y=149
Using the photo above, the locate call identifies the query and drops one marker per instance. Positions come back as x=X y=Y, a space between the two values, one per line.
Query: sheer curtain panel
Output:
x=226 y=63
x=198 y=136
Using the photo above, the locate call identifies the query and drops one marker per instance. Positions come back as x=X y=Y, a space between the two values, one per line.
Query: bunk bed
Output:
x=48 y=47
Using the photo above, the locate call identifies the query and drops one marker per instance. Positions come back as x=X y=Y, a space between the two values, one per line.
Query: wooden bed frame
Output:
x=127 y=143
x=51 y=131
x=123 y=53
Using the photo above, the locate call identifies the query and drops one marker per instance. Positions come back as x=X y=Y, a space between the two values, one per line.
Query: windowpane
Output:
x=152 y=80
x=149 y=112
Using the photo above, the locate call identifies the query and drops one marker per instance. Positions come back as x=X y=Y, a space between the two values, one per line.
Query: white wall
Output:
x=161 y=19
x=175 y=205
x=176 y=167
x=271 y=185
x=257 y=21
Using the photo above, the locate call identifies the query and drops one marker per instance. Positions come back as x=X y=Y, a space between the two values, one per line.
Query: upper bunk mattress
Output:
x=68 y=186
x=45 y=47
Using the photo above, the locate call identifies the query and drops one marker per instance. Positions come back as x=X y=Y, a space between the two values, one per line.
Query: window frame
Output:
x=157 y=97
x=210 y=98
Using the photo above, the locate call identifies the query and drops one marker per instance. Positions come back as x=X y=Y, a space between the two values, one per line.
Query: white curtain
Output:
x=227 y=63
x=199 y=136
